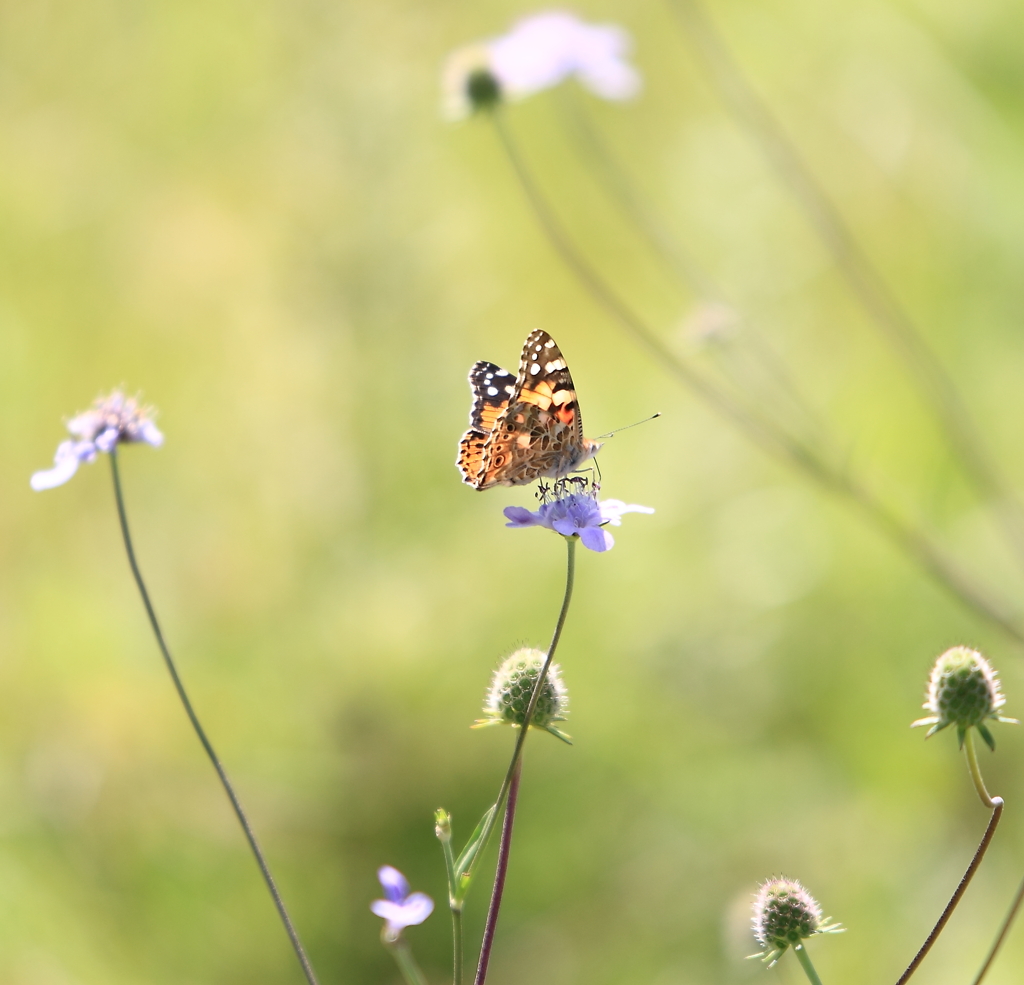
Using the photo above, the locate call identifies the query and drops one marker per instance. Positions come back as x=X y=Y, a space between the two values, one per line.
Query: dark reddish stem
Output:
x=997 y=810
x=499 y=876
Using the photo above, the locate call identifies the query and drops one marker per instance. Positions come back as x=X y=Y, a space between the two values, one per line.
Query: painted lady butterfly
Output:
x=527 y=427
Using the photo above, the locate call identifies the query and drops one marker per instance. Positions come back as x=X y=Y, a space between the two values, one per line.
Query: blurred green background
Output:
x=253 y=213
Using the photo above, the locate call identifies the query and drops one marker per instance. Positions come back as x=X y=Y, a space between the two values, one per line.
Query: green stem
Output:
x=862 y=277
x=165 y=652
x=456 y=908
x=975 y=770
x=1001 y=936
x=805 y=961
x=570 y=578
x=764 y=433
x=406 y=962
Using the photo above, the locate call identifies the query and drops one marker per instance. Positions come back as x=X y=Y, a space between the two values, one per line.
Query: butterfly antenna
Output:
x=611 y=434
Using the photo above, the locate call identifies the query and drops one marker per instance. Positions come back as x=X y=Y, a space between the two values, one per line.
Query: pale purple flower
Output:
x=111 y=421
x=401 y=909
x=577 y=513
x=540 y=52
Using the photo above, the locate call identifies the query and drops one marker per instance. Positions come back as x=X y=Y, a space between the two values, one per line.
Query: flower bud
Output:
x=509 y=695
x=785 y=914
x=443 y=825
x=963 y=690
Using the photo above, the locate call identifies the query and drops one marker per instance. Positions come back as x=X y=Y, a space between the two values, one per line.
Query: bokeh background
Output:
x=253 y=213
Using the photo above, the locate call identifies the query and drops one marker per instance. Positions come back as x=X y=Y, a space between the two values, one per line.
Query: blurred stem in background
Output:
x=694 y=282
x=995 y=804
x=402 y=953
x=200 y=732
x=865 y=282
x=911 y=540
x=1004 y=929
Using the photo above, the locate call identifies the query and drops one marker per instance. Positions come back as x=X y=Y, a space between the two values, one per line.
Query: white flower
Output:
x=111 y=421
x=540 y=52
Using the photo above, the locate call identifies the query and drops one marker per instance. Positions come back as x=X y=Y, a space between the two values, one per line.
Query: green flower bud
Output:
x=963 y=690
x=443 y=825
x=510 y=690
x=785 y=914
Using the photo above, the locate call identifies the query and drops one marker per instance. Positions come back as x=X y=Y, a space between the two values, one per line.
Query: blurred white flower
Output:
x=113 y=420
x=539 y=52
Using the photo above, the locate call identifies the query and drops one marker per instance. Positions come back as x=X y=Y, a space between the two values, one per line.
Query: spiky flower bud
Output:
x=963 y=690
x=511 y=687
x=785 y=914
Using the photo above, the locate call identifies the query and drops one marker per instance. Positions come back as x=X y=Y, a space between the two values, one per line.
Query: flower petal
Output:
x=417 y=908
x=597 y=539
x=107 y=439
x=613 y=509
x=521 y=517
x=65 y=465
x=151 y=434
x=395 y=885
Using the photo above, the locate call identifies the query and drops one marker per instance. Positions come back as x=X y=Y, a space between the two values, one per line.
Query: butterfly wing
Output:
x=492 y=389
x=540 y=432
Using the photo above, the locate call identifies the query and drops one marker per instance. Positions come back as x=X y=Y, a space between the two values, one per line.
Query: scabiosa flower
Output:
x=513 y=683
x=963 y=690
x=401 y=909
x=111 y=421
x=577 y=514
x=786 y=914
x=538 y=53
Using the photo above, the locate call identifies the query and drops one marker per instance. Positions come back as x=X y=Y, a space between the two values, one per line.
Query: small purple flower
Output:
x=401 y=909
x=113 y=420
x=577 y=513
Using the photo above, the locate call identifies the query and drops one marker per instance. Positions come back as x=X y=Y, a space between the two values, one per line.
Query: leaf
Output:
x=464 y=863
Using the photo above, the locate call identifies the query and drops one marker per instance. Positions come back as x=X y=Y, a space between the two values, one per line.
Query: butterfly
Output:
x=525 y=427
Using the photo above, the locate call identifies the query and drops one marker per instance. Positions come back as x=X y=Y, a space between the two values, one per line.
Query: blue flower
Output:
x=576 y=514
x=112 y=420
x=401 y=909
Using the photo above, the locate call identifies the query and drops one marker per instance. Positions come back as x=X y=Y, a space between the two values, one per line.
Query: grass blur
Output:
x=252 y=213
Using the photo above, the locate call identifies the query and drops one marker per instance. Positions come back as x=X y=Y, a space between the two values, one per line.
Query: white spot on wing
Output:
x=492 y=391
x=535 y=369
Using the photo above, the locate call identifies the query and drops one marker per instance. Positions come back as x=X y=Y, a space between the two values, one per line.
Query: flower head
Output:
x=401 y=909
x=576 y=514
x=509 y=694
x=784 y=914
x=111 y=421
x=963 y=690
x=539 y=52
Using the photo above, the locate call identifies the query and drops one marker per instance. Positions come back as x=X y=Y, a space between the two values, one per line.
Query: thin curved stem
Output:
x=805 y=962
x=506 y=783
x=504 y=848
x=997 y=811
x=865 y=282
x=201 y=733
x=975 y=770
x=762 y=432
x=1001 y=936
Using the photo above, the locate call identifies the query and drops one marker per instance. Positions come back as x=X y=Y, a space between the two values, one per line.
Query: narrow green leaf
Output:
x=464 y=863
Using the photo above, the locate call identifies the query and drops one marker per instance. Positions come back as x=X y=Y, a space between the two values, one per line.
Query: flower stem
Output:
x=456 y=908
x=504 y=849
x=997 y=810
x=975 y=770
x=862 y=277
x=506 y=783
x=1001 y=936
x=406 y=962
x=911 y=540
x=200 y=733
x=805 y=961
